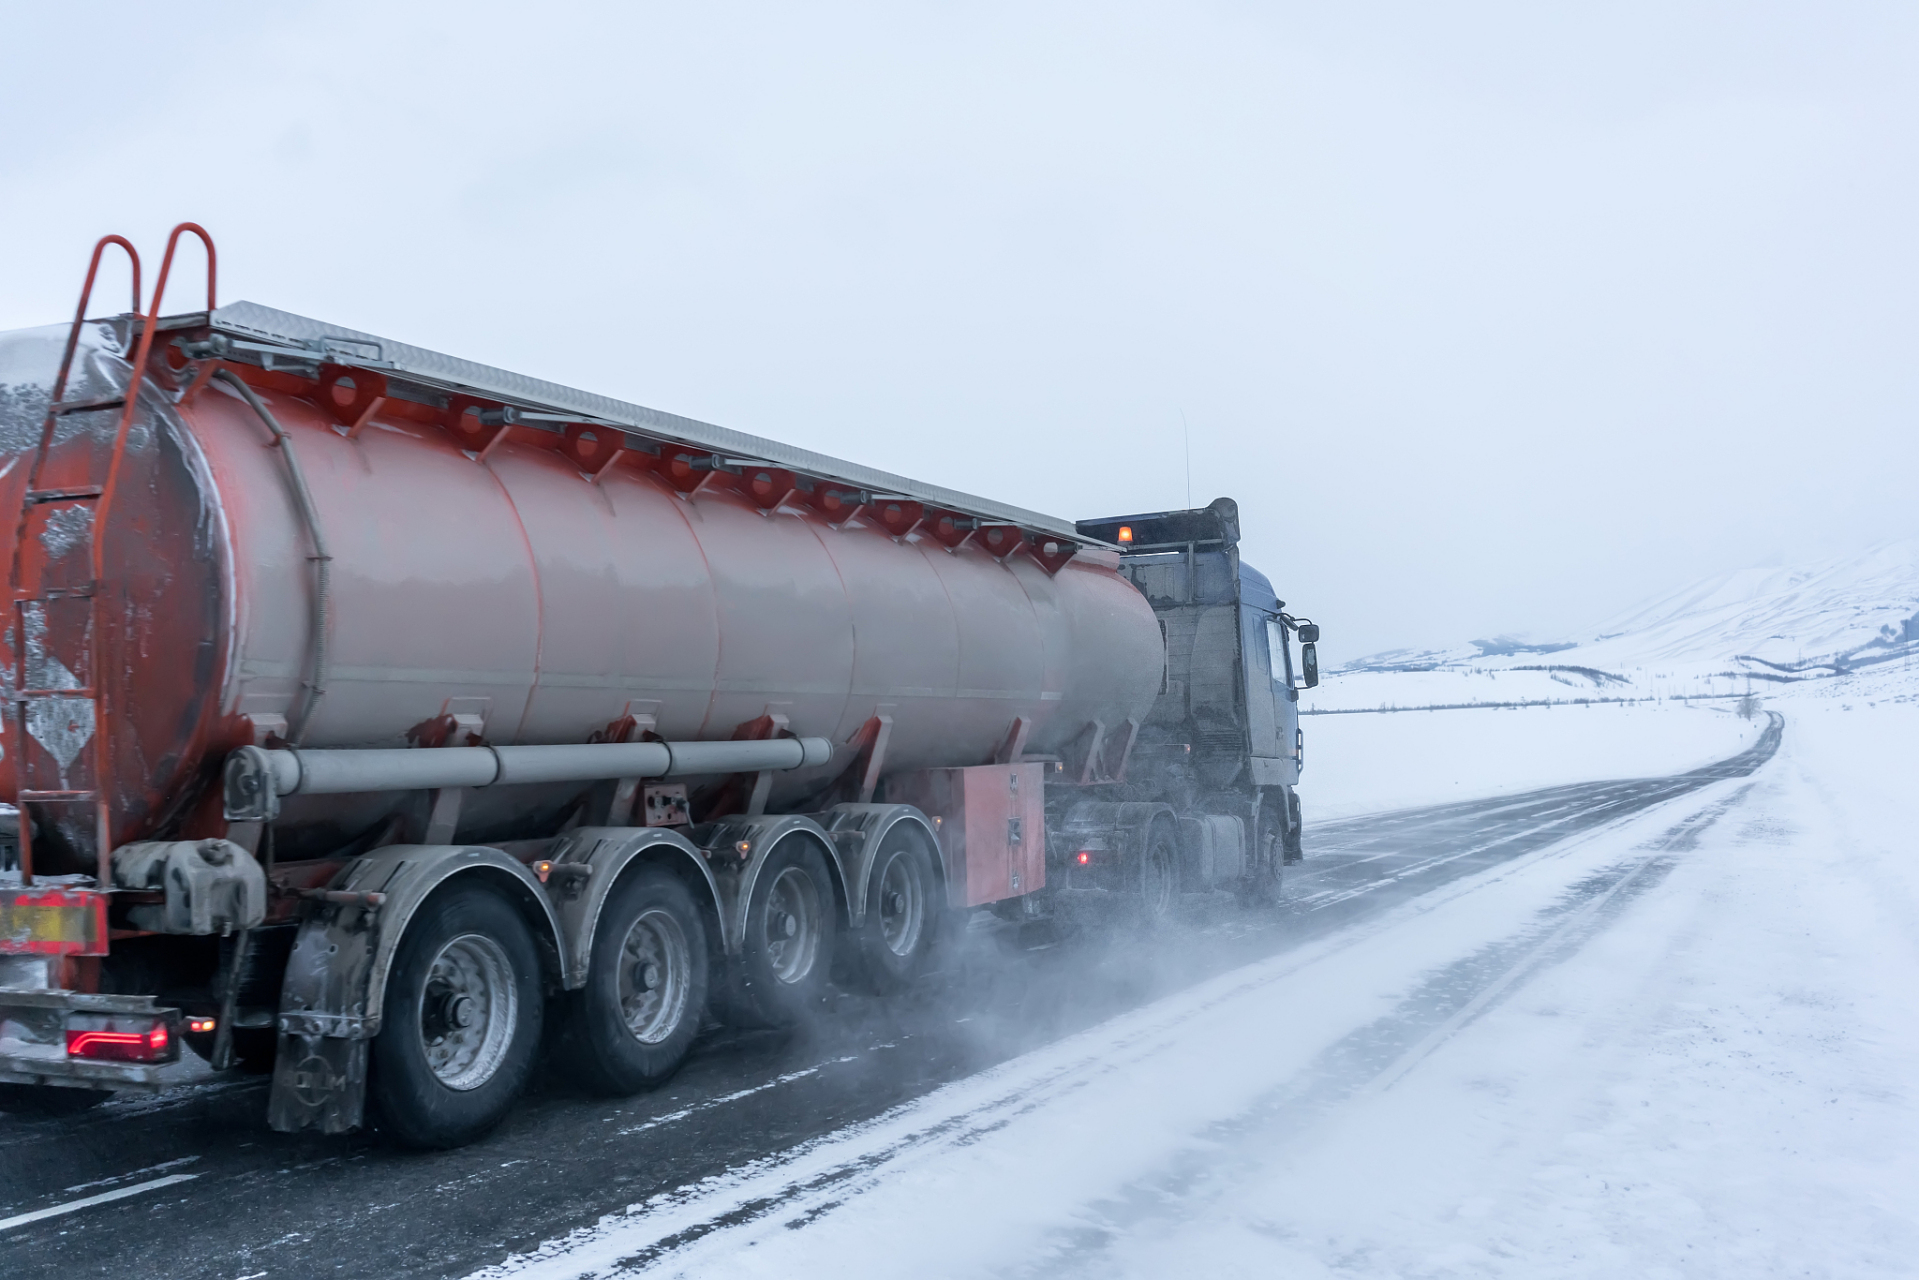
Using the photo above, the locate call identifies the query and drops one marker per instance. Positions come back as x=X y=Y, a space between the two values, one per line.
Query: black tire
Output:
x=904 y=906
x=437 y=1081
x=1159 y=875
x=47 y=1101
x=785 y=963
x=630 y=1027
x=1263 y=881
x=1296 y=830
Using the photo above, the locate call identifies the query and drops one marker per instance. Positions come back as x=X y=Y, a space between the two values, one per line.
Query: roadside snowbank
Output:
x=1369 y=763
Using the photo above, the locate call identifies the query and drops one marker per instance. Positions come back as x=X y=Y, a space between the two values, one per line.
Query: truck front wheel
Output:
x=631 y=1025
x=1261 y=886
x=462 y=1019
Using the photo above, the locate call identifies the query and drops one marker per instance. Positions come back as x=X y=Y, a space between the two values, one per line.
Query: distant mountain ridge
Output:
x=1819 y=619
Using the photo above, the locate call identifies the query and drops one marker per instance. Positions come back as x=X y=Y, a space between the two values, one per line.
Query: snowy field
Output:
x=1376 y=761
x=1692 y=1054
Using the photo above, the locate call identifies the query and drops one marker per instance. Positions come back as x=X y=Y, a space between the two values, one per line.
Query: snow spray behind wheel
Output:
x=369 y=708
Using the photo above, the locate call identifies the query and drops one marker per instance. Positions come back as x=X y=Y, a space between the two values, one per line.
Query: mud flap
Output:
x=319 y=1082
x=319 y=1073
x=1295 y=843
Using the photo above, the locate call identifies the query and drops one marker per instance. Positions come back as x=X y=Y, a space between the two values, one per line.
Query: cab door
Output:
x=1272 y=714
x=1262 y=713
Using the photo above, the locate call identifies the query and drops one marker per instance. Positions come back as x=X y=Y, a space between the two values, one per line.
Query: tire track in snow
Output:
x=1372 y=1059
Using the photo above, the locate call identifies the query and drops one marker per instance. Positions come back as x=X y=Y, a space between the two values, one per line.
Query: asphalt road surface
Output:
x=211 y=1191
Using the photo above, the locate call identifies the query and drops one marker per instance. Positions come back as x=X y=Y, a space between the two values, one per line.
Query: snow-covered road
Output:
x=1679 y=1044
x=1655 y=1026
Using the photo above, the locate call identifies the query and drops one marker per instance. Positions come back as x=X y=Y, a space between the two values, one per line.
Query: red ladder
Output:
x=60 y=678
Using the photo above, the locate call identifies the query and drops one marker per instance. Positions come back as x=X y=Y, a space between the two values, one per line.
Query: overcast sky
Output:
x=1493 y=317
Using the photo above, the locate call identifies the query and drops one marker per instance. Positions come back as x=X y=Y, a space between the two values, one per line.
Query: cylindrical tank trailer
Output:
x=461 y=700
x=536 y=602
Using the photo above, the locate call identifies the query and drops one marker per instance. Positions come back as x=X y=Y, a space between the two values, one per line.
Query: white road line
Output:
x=674 y=1117
x=21 y=1220
x=122 y=1177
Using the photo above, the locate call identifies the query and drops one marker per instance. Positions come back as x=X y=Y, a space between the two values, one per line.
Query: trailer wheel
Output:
x=462 y=1019
x=49 y=1100
x=903 y=914
x=1159 y=875
x=630 y=1027
x=790 y=922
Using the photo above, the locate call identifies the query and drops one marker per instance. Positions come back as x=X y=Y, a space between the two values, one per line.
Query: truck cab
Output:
x=1223 y=736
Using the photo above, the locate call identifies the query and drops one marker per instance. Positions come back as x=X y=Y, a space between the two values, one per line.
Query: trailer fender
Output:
x=859 y=832
x=741 y=846
x=607 y=852
x=335 y=985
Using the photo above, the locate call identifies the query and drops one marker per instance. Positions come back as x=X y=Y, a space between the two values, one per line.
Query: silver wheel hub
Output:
x=792 y=927
x=655 y=976
x=469 y=1010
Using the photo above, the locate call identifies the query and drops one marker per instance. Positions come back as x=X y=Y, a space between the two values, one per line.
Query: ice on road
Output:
x=1682 y=1044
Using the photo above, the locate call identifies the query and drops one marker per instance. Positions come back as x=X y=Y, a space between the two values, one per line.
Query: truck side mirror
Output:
x=1309 y=661
x=1309 y=633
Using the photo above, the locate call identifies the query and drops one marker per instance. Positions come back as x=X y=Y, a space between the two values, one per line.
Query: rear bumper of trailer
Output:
x=38 y=1034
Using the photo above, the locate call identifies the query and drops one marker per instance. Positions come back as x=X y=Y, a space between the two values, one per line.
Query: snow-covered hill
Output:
x=1718 y=636
x=1834 y=616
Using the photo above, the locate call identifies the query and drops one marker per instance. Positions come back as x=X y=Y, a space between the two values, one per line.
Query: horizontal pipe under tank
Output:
x=332 y=772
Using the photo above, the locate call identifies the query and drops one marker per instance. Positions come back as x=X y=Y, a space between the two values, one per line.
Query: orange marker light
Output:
x=1084 y=857
x=1126 y=533
x=200 y=1026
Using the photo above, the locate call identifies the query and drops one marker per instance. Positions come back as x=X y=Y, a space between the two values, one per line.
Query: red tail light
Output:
x=119 y=1038
x=1085 y=856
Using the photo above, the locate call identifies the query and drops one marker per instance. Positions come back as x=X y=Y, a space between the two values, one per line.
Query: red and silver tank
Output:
x=504 y=559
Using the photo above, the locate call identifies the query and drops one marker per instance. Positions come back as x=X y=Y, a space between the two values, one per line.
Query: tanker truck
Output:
x=402 y=726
